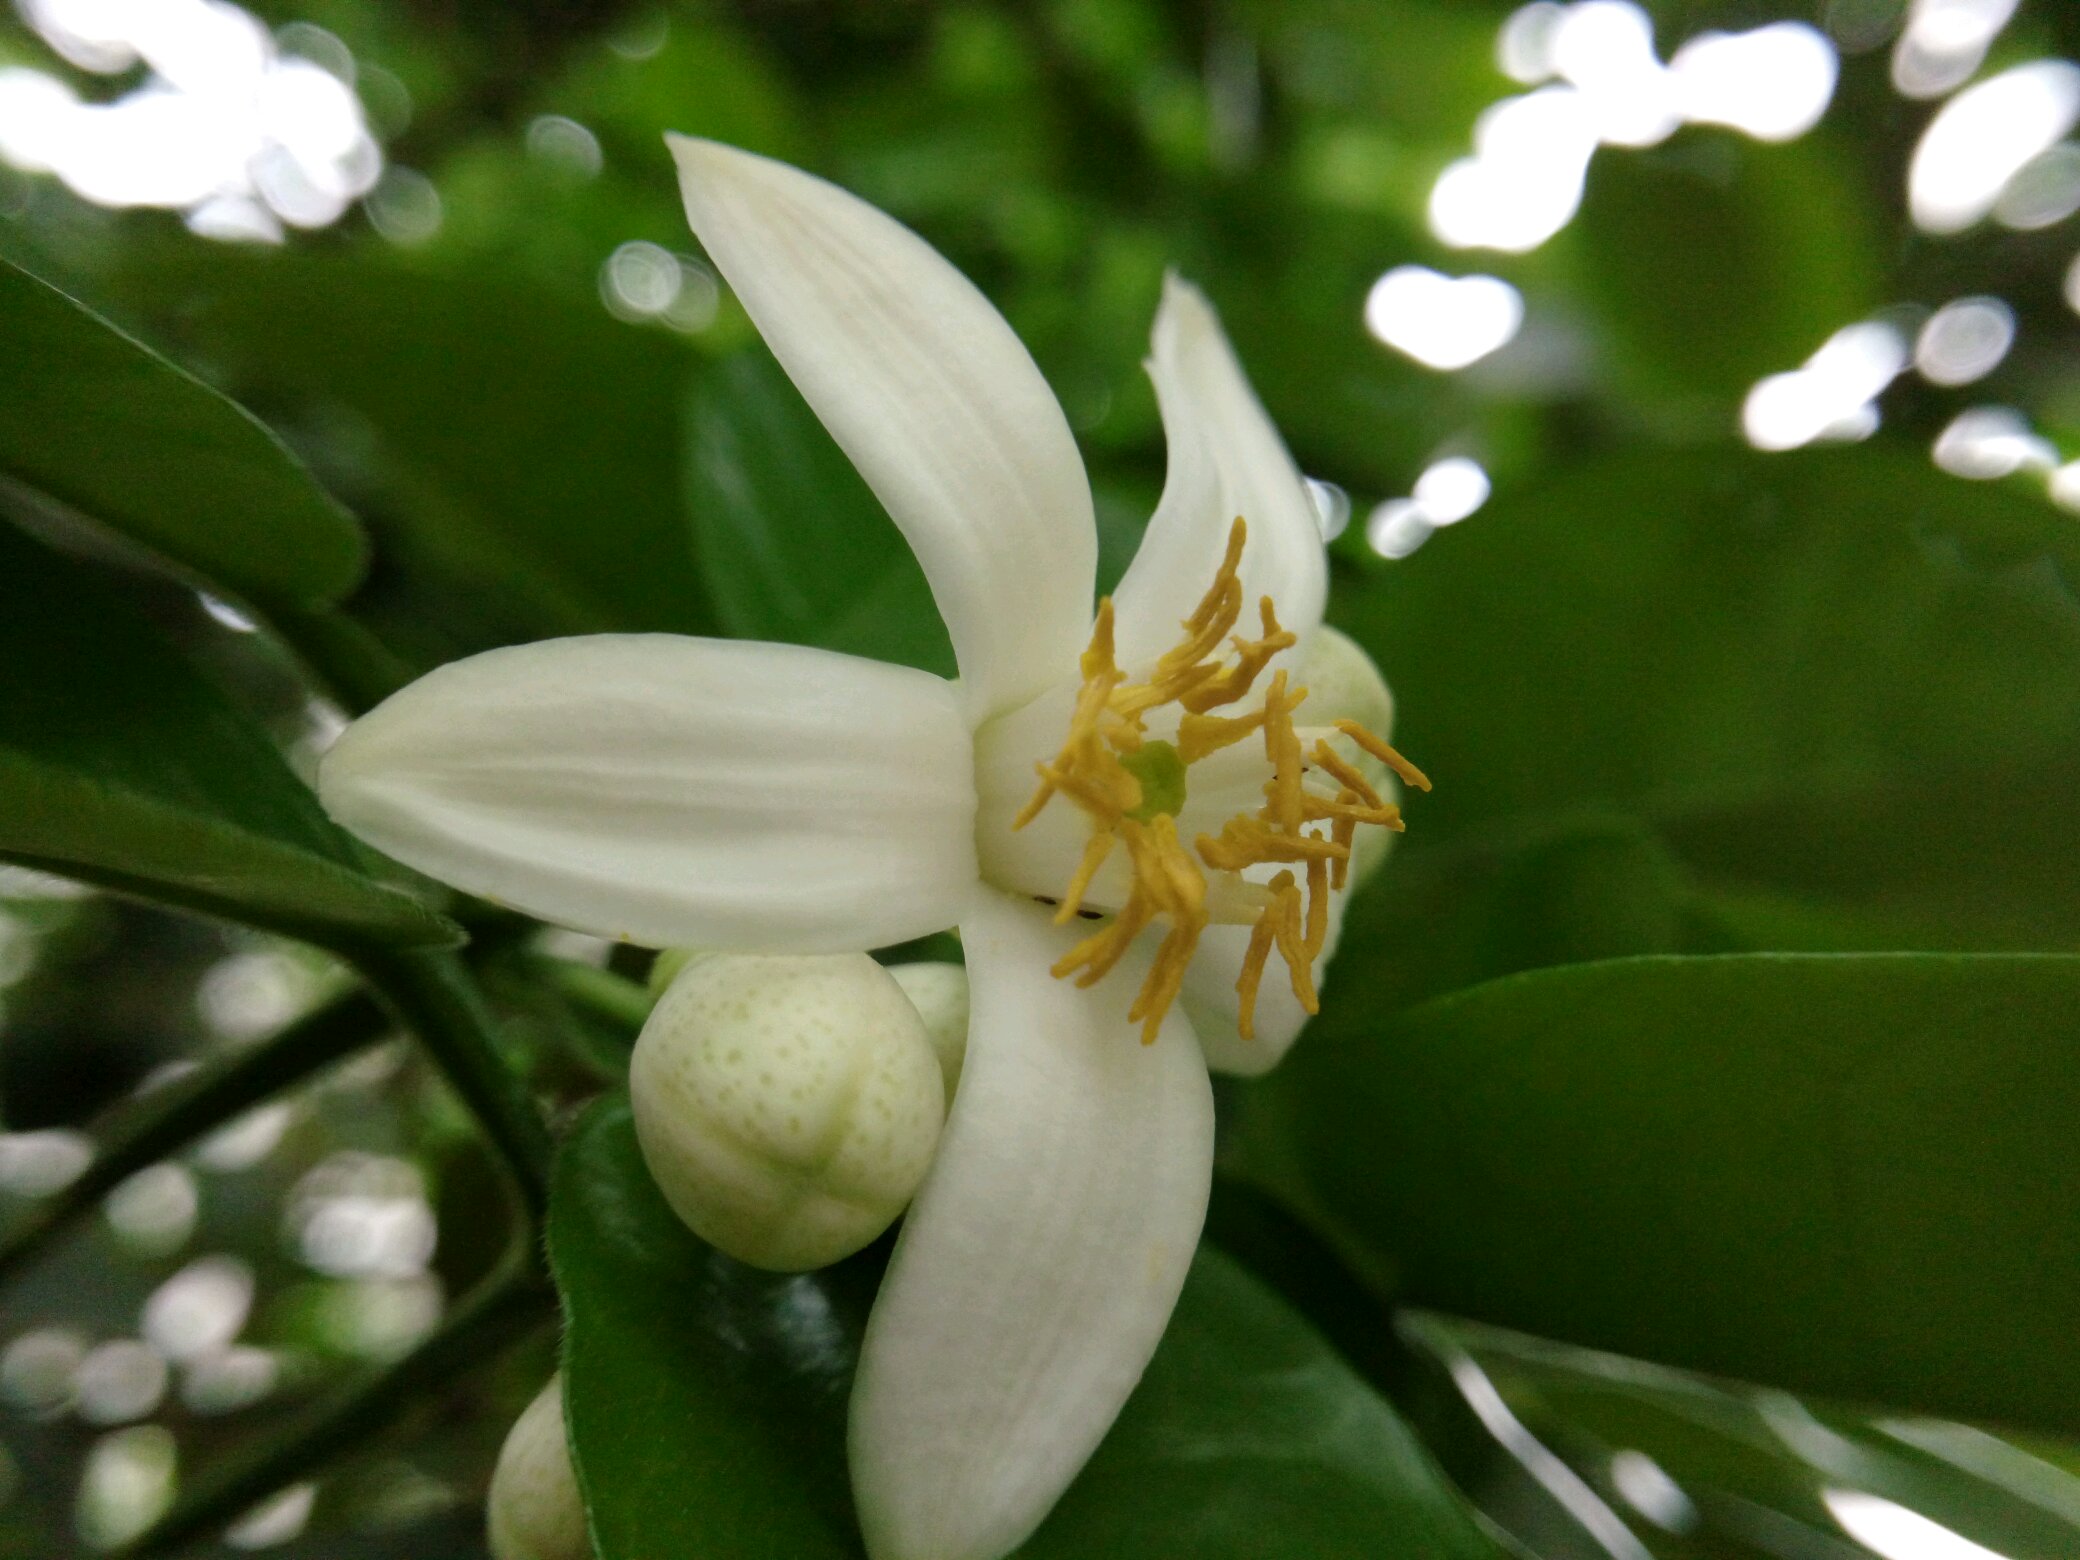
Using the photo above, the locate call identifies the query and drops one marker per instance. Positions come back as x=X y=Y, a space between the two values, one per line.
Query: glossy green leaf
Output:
x=1721 y=635
x=706 y=1403
x=1572 y=890
x=793 y=544
x=95 y=424
x=1713 y=261
x=1728 y=1450
x=1852 y=1175
x=120 y=765
x=513 y=445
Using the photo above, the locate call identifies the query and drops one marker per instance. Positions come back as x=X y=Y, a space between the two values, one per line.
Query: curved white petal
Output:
x=1039 y=1265
x=931 y=395
x=1226 y=459
x=676 y=792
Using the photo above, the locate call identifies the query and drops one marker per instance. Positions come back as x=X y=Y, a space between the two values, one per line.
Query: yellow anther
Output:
x=1379 y=749
x=1318 y=905
x=1247 y=841
x=1282 y=750
x=1095 y=851
x=1292 y=943
x=1251 y=657
x=1229 y=573
x=1346 y=774
x=1199 y=735
x=1209 y=667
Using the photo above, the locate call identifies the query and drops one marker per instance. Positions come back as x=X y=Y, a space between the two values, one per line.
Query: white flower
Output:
x=675 y=791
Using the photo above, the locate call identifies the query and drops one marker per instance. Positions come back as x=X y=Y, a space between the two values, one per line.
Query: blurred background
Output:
x=1577 y=315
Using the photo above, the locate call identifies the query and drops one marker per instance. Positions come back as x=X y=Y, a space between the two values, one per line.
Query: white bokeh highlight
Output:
x=226 y=127
x=1441 y=321
x=1831 y=397
x=1599 y=82
x=1984 y=137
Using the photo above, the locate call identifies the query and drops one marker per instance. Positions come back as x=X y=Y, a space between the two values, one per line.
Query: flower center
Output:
x=1132 y=787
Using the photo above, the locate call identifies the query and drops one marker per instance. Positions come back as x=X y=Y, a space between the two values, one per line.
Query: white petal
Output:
x=931 y=395
x=1039 y=1265
x=1226 y=459
x=676 y=792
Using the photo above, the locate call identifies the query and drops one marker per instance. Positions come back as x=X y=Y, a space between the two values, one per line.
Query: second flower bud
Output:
x=788 y=1107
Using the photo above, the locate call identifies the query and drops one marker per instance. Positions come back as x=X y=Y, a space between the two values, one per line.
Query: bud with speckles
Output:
x=788 y=1106
x=534 y=1511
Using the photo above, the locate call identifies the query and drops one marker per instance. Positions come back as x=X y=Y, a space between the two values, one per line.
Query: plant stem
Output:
x=169 y=1117
x=435 y=997
x=506 y=1306
x=605 y=995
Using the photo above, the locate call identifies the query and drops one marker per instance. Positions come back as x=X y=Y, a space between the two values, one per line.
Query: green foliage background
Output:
x=1718 y=1010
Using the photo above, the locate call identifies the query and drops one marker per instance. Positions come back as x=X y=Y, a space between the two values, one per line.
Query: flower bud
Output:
x=1343 y=684
x=534 y=1512
x=788 y=1107
x=939 y=992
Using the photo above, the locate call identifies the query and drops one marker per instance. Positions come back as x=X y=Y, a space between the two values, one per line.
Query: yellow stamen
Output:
x=1095 y=850
x=1199 y=735
x=1282 y=749
x=1317 y=906
x=1346 y=774
x=1379 y=749
x=1169 y=882
x=1251 y=657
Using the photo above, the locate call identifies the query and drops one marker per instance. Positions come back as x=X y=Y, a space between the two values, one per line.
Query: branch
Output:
x=506 y=1306
x=434 y=996
x=170 y=1117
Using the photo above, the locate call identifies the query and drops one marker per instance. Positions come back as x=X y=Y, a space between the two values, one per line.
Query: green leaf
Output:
x=1714 y=261
x=94 y=423
x=1572 y=890
x=793 y=544
x=514 y=446
x=119 y=765
x=1851 y=1175
x=707 y=1402
x=1732 y=1450
x=1716 y=634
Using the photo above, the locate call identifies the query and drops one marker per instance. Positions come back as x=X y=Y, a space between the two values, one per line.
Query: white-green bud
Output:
x=939 y=992
x=788 y=1107
x=1343 y=684
x=534 y=1511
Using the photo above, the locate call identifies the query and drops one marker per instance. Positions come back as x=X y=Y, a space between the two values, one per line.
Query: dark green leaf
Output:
x=1714 y=262
x=1851 y=1175
x=118 y=764
x=1576 y=889
x=95 y=423
x=518 y=445
x=1732 y=1450
x=706 y=1406
x=1721 y=635
x=706 y=1400
x=794 y=545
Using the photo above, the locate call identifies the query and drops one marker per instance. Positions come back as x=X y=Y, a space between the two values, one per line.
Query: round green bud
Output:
x=939 y=992
x=534 y=1512
x=787 y=1106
